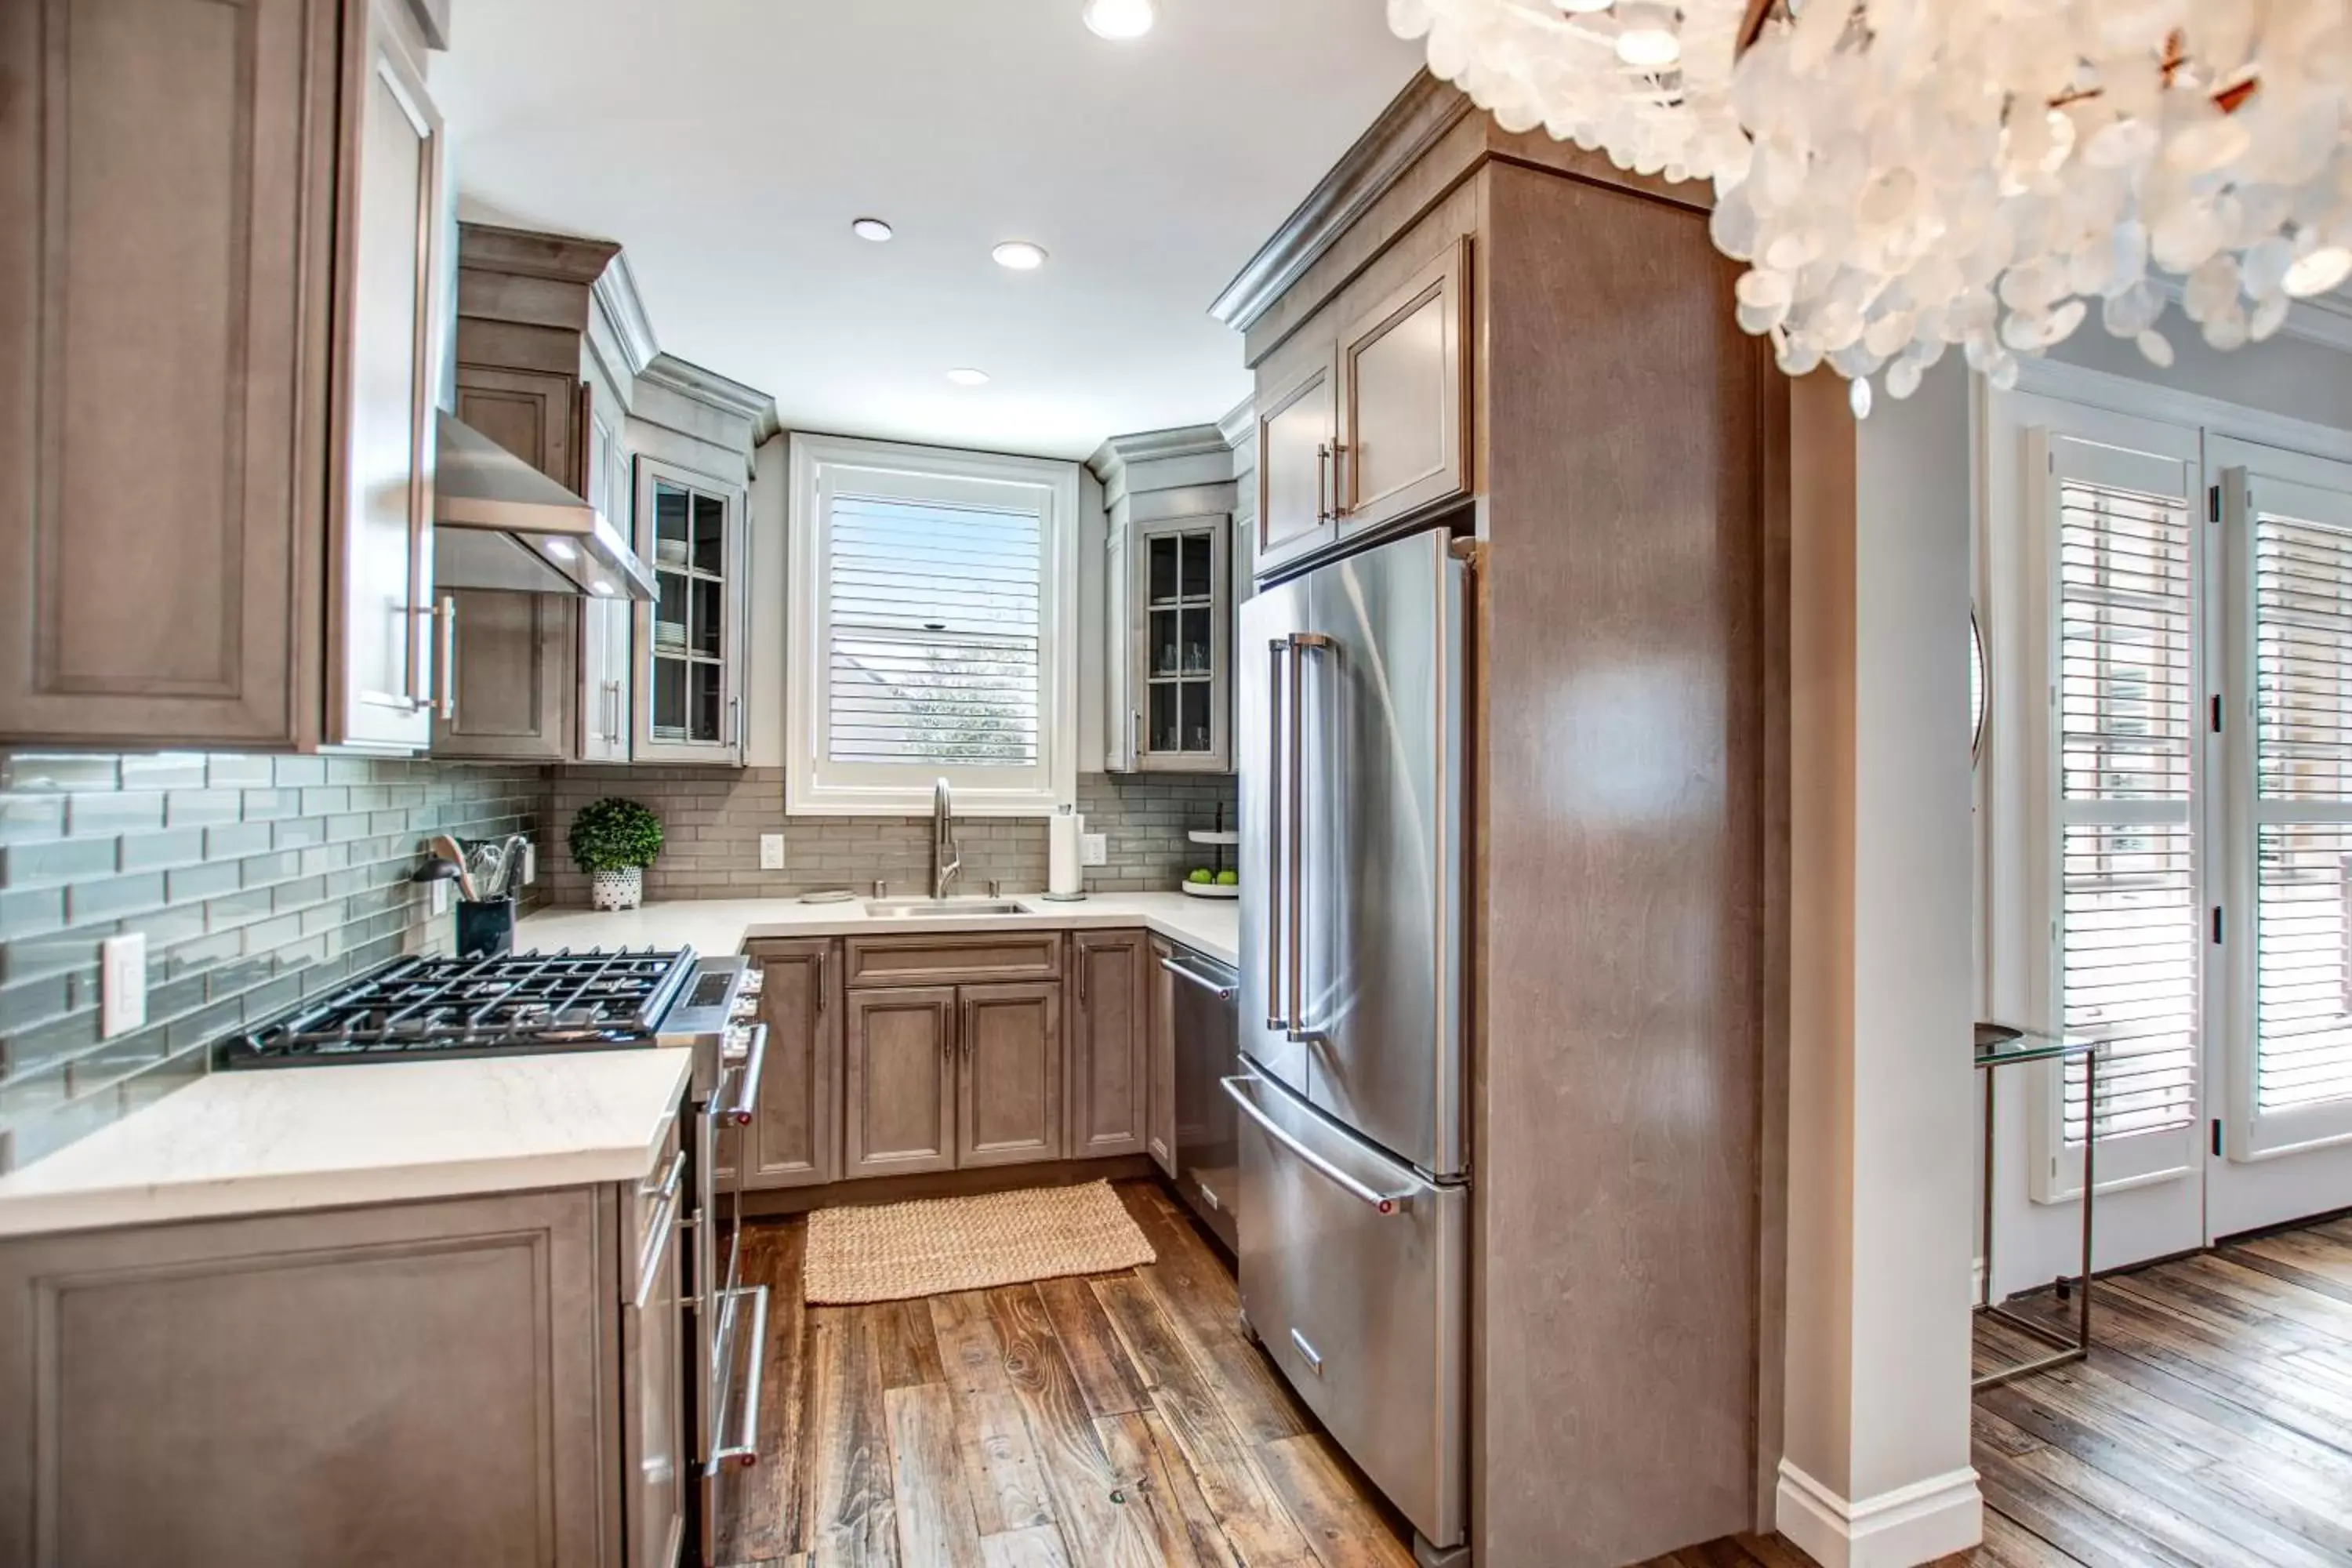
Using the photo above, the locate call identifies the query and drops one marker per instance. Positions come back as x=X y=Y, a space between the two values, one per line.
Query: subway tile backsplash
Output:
x=258 y=881
x=711 y=823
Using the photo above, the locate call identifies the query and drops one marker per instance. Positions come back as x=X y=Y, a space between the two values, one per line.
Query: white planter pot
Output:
x=618 y=889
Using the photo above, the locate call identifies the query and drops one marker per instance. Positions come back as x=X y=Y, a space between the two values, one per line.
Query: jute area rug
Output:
x=895 y=1251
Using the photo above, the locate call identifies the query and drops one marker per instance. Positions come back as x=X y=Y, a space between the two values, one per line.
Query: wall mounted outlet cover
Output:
x=529 y=862
x=441 y=896
x=772 y=852
x=1094 y=848
x=122 y=984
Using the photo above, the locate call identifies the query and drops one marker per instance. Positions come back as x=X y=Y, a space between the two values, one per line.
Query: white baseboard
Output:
x=1901 y=1529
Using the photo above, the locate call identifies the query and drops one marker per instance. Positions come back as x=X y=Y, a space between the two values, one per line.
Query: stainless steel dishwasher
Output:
x=1208 y=1153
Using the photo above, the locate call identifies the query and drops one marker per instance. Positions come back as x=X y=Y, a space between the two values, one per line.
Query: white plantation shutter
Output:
x=2127 y=904
x=2295 y=1083
x=935 y=619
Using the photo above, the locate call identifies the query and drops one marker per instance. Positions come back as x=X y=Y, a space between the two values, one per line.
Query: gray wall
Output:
x=258 y=881
x=712 y=820
x=2289 y=376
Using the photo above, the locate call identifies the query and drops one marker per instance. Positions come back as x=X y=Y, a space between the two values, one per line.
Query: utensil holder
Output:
x=486 y=927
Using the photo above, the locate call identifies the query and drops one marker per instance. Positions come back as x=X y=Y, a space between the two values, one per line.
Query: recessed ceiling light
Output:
x=560 y=549
x=872 y=229
x=1020 y=254
x=964 y=375
x=1120 y=19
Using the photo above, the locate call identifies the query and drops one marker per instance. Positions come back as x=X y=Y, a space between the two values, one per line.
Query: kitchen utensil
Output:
x=449 y=849
x=437 y=869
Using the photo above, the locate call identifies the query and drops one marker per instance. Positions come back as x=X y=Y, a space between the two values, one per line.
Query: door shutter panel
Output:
x=2124 y=708
x=2299 y=537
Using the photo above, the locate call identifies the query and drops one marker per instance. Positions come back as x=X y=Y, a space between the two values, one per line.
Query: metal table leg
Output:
x=2067 y=1351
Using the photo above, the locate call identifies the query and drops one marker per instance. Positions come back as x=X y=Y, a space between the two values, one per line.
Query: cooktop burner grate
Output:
x=443 y=1007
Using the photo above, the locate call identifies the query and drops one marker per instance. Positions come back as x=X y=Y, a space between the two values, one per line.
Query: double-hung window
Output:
x=933 y=630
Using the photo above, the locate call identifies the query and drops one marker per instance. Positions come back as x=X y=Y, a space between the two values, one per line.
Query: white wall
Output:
x=1880 y=1193
x=2296 y=376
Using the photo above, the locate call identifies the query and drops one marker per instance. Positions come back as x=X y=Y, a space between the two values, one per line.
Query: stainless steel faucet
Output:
x=947 y=857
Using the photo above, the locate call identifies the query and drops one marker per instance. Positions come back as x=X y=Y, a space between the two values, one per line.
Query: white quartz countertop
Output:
x=323 y=1137
x=1209 y=926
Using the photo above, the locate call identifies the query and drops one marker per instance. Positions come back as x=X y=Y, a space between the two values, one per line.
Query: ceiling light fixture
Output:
x=1120 y=19
x=1646 y=34
x=1020 y=254
x=872 y=229
x=965 y=375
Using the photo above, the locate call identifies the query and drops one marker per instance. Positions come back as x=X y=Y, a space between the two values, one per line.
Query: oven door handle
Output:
x=744 y=1451
x=747 y=1093
x=663 y=1235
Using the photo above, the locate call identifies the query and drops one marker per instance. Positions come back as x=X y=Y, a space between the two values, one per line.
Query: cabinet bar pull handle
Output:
x=447 y=672
x=1322 y=466
x=822 y=954
x=1338 y=485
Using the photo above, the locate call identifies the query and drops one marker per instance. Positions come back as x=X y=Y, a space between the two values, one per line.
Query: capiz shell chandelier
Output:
x=1903 y=176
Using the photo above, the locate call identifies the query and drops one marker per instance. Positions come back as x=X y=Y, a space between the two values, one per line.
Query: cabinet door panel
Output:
x=688 y=687
x=1009 y=1098
x=1295 y=427
x=167 y=170
x=793 y=1144
x=1109 y=1066
x=528 y=412
x=899 y=1106
x=379 y=640
x=515 y=692
x=1400 y=397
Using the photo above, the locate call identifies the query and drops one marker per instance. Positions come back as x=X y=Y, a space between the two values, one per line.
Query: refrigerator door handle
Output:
x=1295 y=919
x=1239 y=1089
x=1275 y=1014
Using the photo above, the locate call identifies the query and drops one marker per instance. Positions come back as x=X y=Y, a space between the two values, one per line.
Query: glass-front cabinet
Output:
x=689 y=685
x=1175 y=577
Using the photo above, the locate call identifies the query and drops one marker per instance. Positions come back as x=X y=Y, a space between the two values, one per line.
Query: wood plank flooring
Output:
x=1123 y=1420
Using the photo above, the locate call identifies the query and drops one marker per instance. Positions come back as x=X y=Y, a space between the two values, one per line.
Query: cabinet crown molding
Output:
x=616 y=297
x=1407 y=128
x=709 y=387
x=524 y=253
x=1111 y=458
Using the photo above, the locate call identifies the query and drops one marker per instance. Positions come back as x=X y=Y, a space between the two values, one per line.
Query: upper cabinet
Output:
x=1179 y=644
x=217 y=410
x=606 y=624
x=1362 y=414
x=689 y=698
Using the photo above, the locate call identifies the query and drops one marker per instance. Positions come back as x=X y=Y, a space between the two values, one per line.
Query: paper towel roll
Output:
x=1062 y=873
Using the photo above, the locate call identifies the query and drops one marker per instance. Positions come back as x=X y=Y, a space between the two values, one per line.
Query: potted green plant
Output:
x=614 y=840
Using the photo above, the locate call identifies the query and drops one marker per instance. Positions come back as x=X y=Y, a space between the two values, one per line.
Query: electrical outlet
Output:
x=1094 y=848
x=122 y=984
x=772 y=852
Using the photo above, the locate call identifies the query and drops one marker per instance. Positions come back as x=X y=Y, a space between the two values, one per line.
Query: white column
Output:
x=1875 y=1471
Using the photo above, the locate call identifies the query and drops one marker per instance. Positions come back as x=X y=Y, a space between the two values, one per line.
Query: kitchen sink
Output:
x=953 y=909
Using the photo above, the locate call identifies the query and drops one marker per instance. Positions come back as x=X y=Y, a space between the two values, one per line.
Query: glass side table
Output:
x=2000 y=1046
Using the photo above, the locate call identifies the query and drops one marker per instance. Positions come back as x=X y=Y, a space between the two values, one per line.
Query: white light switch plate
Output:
x=441 y=897
x=529 y=862
x=1094 y=848
x=772 y=852
x=122 y=984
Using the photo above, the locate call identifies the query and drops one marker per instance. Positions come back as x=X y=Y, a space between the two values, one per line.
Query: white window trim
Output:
x=815 y=787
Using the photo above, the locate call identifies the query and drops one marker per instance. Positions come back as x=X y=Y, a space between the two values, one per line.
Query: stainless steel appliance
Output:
x=1354 y=1170
x=414 y=1009
x=1208 y=1052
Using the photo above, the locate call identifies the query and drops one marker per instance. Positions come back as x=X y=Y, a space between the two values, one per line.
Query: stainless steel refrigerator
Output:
x=1355 y=1211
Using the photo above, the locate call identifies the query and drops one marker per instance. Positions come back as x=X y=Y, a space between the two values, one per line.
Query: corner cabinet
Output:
x=689 y=676
x=1362 y=417
x=1171 y=646
x=204 y=333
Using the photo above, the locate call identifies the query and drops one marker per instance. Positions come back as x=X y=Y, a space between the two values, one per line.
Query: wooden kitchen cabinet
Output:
x=1297 y=421
x=515 y=692
x=1171 y=661
x=431 y=1382
x=1159 y=1056
x=1400 y=397
x=606 y=624
x=794 y=1141
x=899 y=1070
x=199 y=335
x=1009 y=1093
x=1109 y=1043
x=688 y=682
x=530 y=412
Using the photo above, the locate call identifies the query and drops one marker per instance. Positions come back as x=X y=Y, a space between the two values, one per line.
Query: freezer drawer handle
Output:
x=1238 y=1090
x=1221 y=990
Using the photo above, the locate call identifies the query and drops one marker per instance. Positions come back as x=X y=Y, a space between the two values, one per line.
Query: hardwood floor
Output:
x=1123 y=1420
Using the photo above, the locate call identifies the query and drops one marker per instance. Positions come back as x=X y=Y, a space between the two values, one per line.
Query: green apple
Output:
x=1201 y=877
x=1229 y=879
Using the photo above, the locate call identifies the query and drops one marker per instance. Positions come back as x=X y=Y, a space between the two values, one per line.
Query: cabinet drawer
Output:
x=952 y=959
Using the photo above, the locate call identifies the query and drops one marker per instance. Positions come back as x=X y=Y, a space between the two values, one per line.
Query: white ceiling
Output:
x=728 y=144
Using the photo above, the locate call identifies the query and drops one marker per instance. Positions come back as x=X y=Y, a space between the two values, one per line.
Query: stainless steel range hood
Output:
x=498 y=523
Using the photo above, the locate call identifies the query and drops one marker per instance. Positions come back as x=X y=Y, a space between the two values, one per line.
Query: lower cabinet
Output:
x=796 y=1141
x=899 y=1094
x=442 y=1382
x=1109 y=1043
x=1159 y=1052
x=1009 y=1095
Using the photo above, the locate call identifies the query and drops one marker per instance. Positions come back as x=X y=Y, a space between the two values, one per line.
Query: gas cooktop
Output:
x=413 y=1008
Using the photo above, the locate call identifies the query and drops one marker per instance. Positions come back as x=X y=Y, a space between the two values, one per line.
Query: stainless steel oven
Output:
x=730 y=1338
